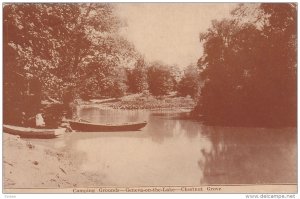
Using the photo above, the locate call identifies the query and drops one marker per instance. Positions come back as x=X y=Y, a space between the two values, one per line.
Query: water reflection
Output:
x=159 y=154
x=250 y=156
x=94 y=114
x=171 y=151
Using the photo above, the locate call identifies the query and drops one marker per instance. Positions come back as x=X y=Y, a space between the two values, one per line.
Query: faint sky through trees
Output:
x=170 y=32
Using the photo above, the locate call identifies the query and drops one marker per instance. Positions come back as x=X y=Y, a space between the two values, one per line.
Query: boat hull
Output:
x=93 y=127
x=25 y=132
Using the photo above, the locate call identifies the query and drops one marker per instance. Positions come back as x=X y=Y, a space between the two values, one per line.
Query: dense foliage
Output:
x=190 y=83
x=249 y=67
x=62 y=51
x=66 y=49
x=161 y=79
x=62 y=44
x=137 y=77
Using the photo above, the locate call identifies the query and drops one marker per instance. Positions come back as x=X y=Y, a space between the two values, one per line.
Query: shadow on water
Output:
x=239 y=155
x=249 y=156
x=232 y=155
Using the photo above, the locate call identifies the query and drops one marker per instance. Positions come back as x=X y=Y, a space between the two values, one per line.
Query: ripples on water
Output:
x=170 y=151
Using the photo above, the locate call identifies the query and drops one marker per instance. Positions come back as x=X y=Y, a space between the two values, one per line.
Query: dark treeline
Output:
x=249 y=67
x=61 y=52
x=58 y=52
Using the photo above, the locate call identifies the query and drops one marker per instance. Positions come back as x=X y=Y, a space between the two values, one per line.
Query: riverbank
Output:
x=27 y=165
x=144 y=101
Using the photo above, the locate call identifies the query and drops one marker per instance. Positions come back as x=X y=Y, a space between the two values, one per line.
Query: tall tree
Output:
x=190 y=83
x=137 y=77
x=160 y=79
x=249 y=68
x=59 y=45
x=52 y=40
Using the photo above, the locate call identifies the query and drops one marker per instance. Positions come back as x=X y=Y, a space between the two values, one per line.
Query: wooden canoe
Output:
x=26 y=132
x=85 y=126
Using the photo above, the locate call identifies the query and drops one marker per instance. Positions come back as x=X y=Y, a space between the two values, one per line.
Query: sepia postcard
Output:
x=150 y=98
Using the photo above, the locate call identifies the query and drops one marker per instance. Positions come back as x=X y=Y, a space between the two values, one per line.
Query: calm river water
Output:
x=171 y=151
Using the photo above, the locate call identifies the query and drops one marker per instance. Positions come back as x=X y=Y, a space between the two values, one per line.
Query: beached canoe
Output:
x=85 y=126
x=26 y=132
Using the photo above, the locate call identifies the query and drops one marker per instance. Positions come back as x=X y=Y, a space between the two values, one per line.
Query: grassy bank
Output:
x=142 y=101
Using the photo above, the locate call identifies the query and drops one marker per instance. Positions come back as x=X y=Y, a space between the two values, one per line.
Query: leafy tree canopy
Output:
x=249 y=67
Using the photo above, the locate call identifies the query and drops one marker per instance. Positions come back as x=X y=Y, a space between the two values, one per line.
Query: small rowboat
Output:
x=26 y=132
x=85 y=126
